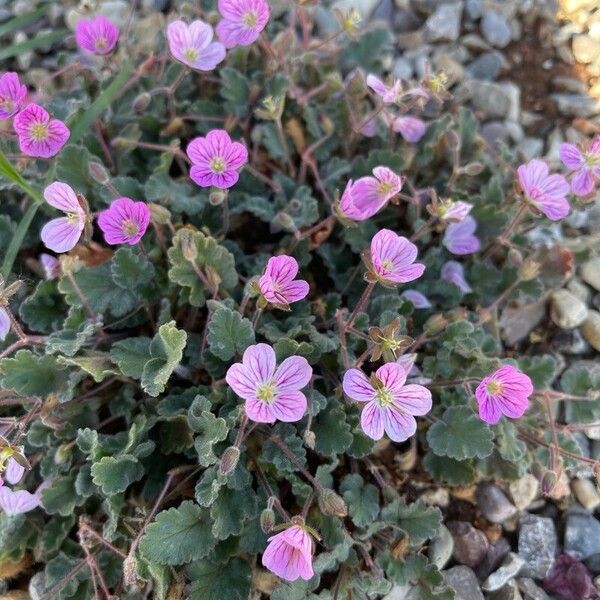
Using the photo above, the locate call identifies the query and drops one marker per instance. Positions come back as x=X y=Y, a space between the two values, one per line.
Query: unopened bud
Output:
x=452 y=140
x=188 y=245
x=130 y=574
x=267 y=520
x=332 y=504
x=98 y=172
x=473 y=168
x=310 y=439
x=229 y=460
x=529 y=270
x=214 y=279
x=63 y=454
x=435 y=324
x=548 y=482
x=142 y=102
x=217 y=196
x=159 y=214
x=597 y=472
x=282 y=221
x=327 y=125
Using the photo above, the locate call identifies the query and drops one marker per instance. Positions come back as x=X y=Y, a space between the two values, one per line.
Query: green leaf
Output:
x=362 y=499
x=235 y=89
x=214 y=581
x=582 y=381
x=272 y=454
x=131 y=355
x=229 y=333
x=96 y=364
x=72 y=167
x=178 y=535
x=230 y=510
x=510 y=447
x=31 y=375
x=210 y=430
x=131 y=270
x=449 y=470
x=60 y=497
x=460 y=434
x=44 y=309
x=115 y=474
x=332 y=431
x=17 y=240
x=174 y=195
x=70 y=341
x=417 y=520
x=542 y=370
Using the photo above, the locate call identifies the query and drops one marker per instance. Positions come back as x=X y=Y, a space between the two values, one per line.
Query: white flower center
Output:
x=494 y=388
x=218 y=165
x=384 y=397
x=266 y=392
x=39 y=131
x=250 y=19
x=191 y=54
x=129 y=227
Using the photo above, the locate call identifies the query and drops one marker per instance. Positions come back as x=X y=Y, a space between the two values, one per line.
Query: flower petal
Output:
x=62 y=234
x=398 y=425
x=357 y=387
x=414 y=399
x=293 y=374
x=61 y=196
x=289 y=406
x=259 y=361
x=371 y=420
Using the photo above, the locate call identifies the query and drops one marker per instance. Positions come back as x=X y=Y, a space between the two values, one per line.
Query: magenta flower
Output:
x=277 y=283
x=51 y=266
x=585 y=163
x=411 y=129
x=453 y=272
x=460 y=237
x=391 y=405
x=417 y=299
x=62 y=234
x=124 y=221
x=505 y=392
x=271 y=393
x=12 y=95
x=5 y=324
x=546 y=192
x=216 y=159
x=98 y=35
x=242 y=21
x=289 y=554
x=192 y=45
x=454 y=211
x=17 y=502
x=39 y=135
x=387 y=94
x=393 y=258
x=368 y=195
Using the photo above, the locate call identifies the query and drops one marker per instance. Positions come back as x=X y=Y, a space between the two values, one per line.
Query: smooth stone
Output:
x=487 y=66
x=531 y=590
x=402 y=69
x=586 y=493
x=495 y=132
x=537 y=545
x=470 y=544
x=593 y=564
x=591 y=329
x=524 y=491
x=570 y=84
x=580 y=290
x=490 y=98
x=590 y=272
x=495 y=29
x=576 y=105
x=384 y=10
x=441 y=547
x=530 y=147
x=585 y=49
x=436 y=497
x=464 y=583
x=567 y=310
x=474 y=9
x=570 y=342
x=509 y=569
x=493 y=503
x=509 y=592
x=582 y=536
x=494 y=556
x=444 y=24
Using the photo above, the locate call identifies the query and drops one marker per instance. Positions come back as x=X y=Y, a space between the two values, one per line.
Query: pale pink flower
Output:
x=586 y=164
x=124 y=222
x=417 y=299
x=289 y=554
x=242 y=21
x=62 y=234
x=277 y=283
x=5 y=324
x=369 y=129
x=393 y=258
x=271 y=393
x=453 y=272
x=411 y=129
x=51 y=266
x=216 y=159
x=454 y=211
x=546 y=192
x=192 y=45
x=391 y=405
x=39 y=135
x=12 y=95
x=98 y=35
x=17 y=502
x=504 y=392
x=460 y=237
x=368 y=195
x=388 y=94
x=13 y=473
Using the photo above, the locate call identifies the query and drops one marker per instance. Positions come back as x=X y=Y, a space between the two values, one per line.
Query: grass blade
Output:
x=23 y=20
x=33 y=43
x=15 y=243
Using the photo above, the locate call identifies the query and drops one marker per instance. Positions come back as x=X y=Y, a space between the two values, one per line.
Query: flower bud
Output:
x=142 y=102
x=282 y=221
x=98 y=172
x=473 y=168
x=332 y=504
x=310 y=439
x=159 y=214
x=188 y=245
x=267 y=520
x=229 y=460
x=216 y=197
x=529 y=270
x=63 y=454
x=435 y=324
x=548 y=482
x=452 y=140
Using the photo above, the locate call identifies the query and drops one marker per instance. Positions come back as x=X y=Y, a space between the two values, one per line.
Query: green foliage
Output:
x=32 y=375
x=228 y=333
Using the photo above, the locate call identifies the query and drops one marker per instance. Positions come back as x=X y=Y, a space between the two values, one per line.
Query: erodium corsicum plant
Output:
x=255 y=296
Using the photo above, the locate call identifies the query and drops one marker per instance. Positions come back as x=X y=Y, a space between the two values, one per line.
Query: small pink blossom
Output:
x=411 y=129
x=5 y=324
x=289 y=554
x=242 y=21
x=369 y=129
x=277 y=283
x=192 y=45
x=460 y=237
x=505 y=392
x=453 y=272
x=388 y=94
x=454 y=211
x=585 y=163
x=546 y=192
x=17 y=502
x=12 y=95
x=51 y=266
x=39 y=135
x=393 y=258
x=14 y=472
x=271 y=393
x=417 y=299
x=368 y=195
x=124 y=222
x=62 y=234
x=216 y=159
x=391 y=405
x=98 y=35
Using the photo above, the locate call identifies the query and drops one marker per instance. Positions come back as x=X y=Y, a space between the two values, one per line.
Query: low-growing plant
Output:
x=282 y=296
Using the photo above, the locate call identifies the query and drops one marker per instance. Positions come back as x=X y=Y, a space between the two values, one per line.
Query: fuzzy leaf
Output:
x=31 y=375
x=116 y=474
x=362 y=500
x=449 y=470
x=214 y=581
x=332 y=431
x=131 y=270
x=210 y=430
x=230 y=510
x=418 y=521
x=229 y=333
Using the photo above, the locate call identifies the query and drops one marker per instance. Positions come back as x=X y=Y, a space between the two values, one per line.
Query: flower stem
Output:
x=364 y=299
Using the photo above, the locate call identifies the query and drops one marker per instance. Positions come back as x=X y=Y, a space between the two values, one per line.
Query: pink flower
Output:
x=12 y=94
x=289 y=554
x=388 y=94
x=277 y=283
x=62 y=234
x=393 y=258
x=192 y=45
x=460 y=237
x=242 y=21
x=546 y=192
x=391 y=405
x=453 y=272
x=98 y=35
x=410 y=128
x=417 y=299
x=124 y=221
x=271 y=393
x=216 y=159
x=454 y=211
x=505 y=392
x=368 y=195
x=13 y=472
x=51 y=266
x=17 y=502
x=39 y=135
x=585 y=163
x=5 y=324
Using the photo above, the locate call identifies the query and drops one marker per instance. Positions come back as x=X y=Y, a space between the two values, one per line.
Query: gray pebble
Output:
x=495 y=29
x=537 y=545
